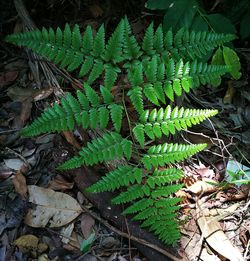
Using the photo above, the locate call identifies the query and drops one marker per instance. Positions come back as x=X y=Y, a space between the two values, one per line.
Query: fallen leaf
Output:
x=203 y=186
x=21 y=94
x=86 y=243
x=215 y=237
x=229 y=94
x=71 y=139
x=26 y=110
x=221 y=212
x=7 y=77
x=15 y=164
x=55 y=208
x=60 y=183
x=26 y=243
x=96 y=10
x=66 y=233
x=87 y=223
x=73 y=244
x=19 y=182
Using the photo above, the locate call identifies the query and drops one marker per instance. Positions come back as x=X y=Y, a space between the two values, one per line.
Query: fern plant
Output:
x=162 y=66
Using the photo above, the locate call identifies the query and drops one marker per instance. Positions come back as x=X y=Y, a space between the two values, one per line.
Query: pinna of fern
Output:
x=89 y=110
x=93 y=56
x=156 y=80
x=166 y=121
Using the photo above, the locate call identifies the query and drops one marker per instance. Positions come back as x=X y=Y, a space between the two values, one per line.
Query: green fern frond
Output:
x=87 y=40
x=122 y=176
x=139 y=206
x=107 y=95
x=86 y=110
x=111 y=75
x=193 y=45
x=86 y=66
x=92 y=95
x=158 y=40
x=160 y=155
x=135 y=95
x=113 y=50
x=151 y=69
x=135 y=74
x=164 y=226
x=109 y=147
x=161 y=66
x=148 y=44
x=99 y=43
x=96 y=71
x=165 y=191
x=167 y=121
x=116 y=112
x=133 y=192
x=131 y=48
x=161 y=177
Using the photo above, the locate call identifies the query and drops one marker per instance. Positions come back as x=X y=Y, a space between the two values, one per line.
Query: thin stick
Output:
x=131 y=237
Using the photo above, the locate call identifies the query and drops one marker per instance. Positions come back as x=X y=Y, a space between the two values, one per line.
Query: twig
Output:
x=129 y=241
x=247 y=250
x=131 y=237
x=18 y=155
x=48 y=74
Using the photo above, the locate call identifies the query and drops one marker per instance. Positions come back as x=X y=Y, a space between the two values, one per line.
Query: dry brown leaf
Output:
x=203 y=186
x=19 y=182
x=96 y=10
x=55 y=208
x=26 y=243
x=222 y=212
x=26 y=110
x=21 y=94
x=229 y=94
x=60 y=183
x=71 y=139
x=7 y=78
x=87 y=223
x=74 y=242
x=215 y=237
x=66 y=233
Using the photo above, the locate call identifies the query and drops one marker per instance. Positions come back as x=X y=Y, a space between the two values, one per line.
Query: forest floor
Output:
x=28 y=172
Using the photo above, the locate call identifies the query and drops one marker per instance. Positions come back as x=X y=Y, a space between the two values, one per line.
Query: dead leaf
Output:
x=59 y=183
x=66 y=233
x=19 y=182
x=15 y=164
x=21 y=94
x=222 y=212
x=229 y=94
x=26 y=110
x=74 y=242
x=26 y=243
x=215 y=237
x=7 y=77
x=87 y=223
x=96 y=10
x=203 y=186
x=55 y=208
x=71 y=139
